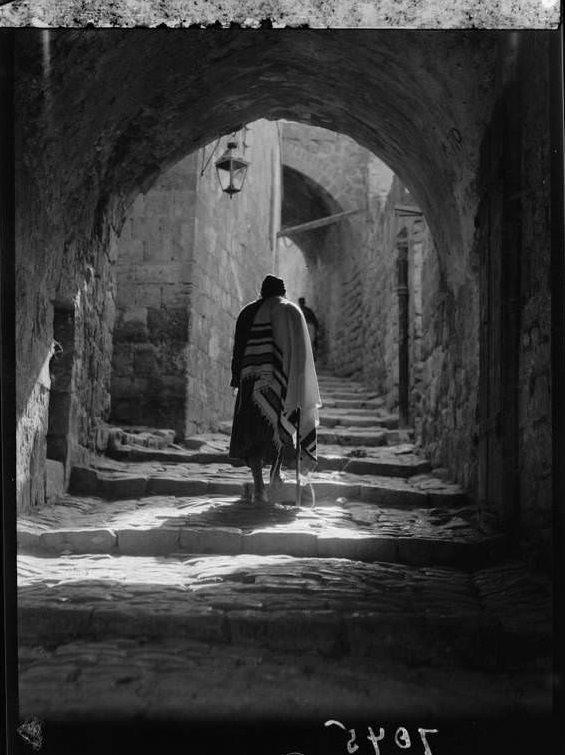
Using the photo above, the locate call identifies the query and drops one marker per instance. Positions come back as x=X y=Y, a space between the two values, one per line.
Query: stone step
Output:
x=352 y=403
x=135 y=454
x=144 y=437
x=358 y=420
x=383 y=467
x=335 y=607
x=136 y=679
x=351 y=436
x=390 y=467
x=378 y=412
x=333 y=380
x=341 y=394
x=399 y=461
x=213 y=524
x=354 y=436
x=206 y=480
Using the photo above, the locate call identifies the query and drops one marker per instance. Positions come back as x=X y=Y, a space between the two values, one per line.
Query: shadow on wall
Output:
x=47 y=421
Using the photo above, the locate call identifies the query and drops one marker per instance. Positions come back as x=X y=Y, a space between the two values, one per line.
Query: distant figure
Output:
x=312 y=323
x=273 y=370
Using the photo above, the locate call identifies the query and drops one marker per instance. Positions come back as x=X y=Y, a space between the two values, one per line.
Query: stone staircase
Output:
x=155 y=581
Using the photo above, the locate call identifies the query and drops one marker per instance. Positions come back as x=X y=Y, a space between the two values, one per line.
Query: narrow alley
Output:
x=206 y=222
x=155 y=581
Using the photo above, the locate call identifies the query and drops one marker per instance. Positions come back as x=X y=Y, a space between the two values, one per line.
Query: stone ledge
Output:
x=221 y=540
x=77 y=541
x=273 y=541
x=361 y=548
x=154 y=541
x=117 y=486
x=55 y=479
x=471 y=641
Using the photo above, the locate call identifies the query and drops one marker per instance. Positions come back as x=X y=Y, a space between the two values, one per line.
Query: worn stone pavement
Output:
x=155 y=589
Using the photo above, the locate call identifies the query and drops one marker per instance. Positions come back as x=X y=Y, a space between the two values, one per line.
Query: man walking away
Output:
x=273 y=370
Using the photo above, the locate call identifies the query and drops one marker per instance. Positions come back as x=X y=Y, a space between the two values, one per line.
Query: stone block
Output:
x=133 y=331
x=382 y=635
x=102 y=438
x=288 y=542
x=135 y=314
x=304 y=630
x=126 y=410
x=123 y=487
x=225 y=487
x=122 y=360
x=28 y=541
x=158 y=268
x=207 y=625
x=386 y=496
x=150 y=295
x=59 y=410
x=84 y=480
x=167 y=435
x=78 y=541
x=172 y=385
x=37 y=623
x=57 y=447
x=193 y=443
x=438 y=640
x=113 y=619
x=340 y=544
x=334 y=490
x=224 y=540
x=153 y=542
x=421 y=551
x=52 y=541
x=144 y=361
x=248 y=627
x=123 y=386
x=55 y=479
x=170 y=323
x=443 y=498
x=176 y=486
x=287 y=630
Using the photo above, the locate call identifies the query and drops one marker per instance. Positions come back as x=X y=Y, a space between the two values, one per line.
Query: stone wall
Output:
x=356 y=271
x=60 y=412
x=92 y=133
x=233 y=251
x=449 y=358
x=534 y=398
x=189 y=259
x=295 y=271
x=338 y=267
x=354 y=278
x=154 y=282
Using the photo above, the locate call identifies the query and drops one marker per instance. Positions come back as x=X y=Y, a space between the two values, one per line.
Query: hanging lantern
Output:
x=231 y=170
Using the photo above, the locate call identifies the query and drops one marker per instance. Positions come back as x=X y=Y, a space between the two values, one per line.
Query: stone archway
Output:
x=94 y=133
x=105 y=133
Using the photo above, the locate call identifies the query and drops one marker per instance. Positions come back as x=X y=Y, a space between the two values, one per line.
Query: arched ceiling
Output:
x=108 y=111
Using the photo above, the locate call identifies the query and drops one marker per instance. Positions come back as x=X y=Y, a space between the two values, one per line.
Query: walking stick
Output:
x=298 y=491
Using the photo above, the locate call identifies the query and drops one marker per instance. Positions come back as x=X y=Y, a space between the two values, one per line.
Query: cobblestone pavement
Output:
x=156 y=589
x=504 y=596
x=172 y=679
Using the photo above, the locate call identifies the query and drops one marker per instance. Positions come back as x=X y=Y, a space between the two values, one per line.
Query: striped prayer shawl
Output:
x=263 y=363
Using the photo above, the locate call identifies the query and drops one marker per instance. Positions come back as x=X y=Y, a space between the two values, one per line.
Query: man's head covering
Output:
x=272 y=286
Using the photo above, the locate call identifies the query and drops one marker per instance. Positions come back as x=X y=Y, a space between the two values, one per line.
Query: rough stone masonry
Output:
x=93 y=134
